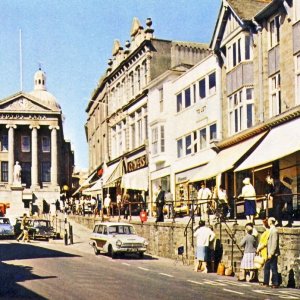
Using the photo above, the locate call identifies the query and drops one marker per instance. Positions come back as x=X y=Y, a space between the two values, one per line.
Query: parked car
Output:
x=6 y=229
x=117 y=238
x=41 y=229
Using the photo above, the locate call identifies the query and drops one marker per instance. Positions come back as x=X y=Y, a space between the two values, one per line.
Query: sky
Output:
x=72 y=41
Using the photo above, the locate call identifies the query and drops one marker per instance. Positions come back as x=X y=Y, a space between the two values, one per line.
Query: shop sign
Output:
x=138 y=163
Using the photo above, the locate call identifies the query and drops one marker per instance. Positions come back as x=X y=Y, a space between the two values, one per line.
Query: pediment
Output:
x=23 y=103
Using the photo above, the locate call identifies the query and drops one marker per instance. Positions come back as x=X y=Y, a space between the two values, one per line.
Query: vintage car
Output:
x=41 y=229
x=6 y=229
x=117 y=238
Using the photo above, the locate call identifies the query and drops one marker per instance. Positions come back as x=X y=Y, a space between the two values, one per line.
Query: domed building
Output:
x=35 y=159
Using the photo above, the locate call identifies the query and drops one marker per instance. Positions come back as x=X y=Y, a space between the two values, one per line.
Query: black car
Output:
x=41 y=229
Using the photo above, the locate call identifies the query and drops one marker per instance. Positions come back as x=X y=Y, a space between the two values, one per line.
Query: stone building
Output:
x=31 y=136
x=117 y=125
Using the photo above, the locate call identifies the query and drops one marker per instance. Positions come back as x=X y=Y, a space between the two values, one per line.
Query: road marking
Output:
x=233 y=283
x=125 y=264
x=211 y=282
x=196 y=282
x=279 y=294
x=231 y=291
x=143 y=269
x=164 y=274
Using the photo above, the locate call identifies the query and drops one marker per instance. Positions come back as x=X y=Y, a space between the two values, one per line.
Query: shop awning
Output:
x=280 y=141
x=96 y=187
x=113 y=173
x=226 y=159
x=85 y=184
x=137 y=180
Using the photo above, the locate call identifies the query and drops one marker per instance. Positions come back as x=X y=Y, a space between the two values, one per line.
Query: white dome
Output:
x=40 y=91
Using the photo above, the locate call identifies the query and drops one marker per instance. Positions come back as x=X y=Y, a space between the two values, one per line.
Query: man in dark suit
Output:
x=160 y=202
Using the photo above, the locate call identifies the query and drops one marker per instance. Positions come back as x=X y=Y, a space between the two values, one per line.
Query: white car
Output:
x=6 y=229
x=117 y=238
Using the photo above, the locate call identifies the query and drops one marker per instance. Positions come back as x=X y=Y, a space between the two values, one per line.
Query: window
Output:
x=46 y=171
x=202 y=92
x=146 y=126
x=212 y=83
x=4 y=171
x=241 y=110
x=132 y=136
x=247 y=47
x=195 y=141
x=161 y=100
x=203 y=143
x=213 y=132
x=154 y=141
x=25 y=143
x=4 y=143
x=179 y=148
x=162 y=138
x=187 y=95
x=138 y=78
x=234 y=54
x=195 y=92
x=45 y=144
x=131 y=80
x=179 y=102
x=140 y=131
x=144 y=65
x=274 y=31
x=276 y=104
x=188 y=144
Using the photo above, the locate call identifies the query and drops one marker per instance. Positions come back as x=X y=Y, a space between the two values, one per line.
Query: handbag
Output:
x=259 y=262
x=221 y=269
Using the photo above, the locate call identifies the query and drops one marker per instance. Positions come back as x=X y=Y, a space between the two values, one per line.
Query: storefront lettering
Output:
x=137 y=163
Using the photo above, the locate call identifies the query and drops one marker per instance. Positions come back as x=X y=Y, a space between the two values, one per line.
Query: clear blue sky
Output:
x=73 y=39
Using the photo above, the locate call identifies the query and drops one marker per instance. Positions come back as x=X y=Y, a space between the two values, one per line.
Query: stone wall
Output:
x=165 y=239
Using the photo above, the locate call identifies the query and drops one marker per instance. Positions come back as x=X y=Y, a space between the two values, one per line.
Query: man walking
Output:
x=160 y=202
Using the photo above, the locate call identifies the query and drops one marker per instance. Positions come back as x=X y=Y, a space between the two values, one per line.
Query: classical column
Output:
x=54 y=154
x=11 y=156
x=34 y=154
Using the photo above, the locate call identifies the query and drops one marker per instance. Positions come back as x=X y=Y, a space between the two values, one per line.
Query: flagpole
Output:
x=21 y=60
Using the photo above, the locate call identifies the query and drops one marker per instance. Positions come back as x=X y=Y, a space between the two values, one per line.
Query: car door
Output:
x=101 y=236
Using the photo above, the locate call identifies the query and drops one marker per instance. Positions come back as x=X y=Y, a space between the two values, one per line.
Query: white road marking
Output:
x=211 y=282
x=125 y=264
x=231 y=291
x=233 y=283
x=143 y=269
x=279 y=294
x=164 y=274
x=196 y=282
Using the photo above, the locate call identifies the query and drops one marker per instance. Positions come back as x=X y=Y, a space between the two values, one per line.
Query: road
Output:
x=51 y=270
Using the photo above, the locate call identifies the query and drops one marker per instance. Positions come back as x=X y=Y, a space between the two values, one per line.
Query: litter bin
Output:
x=143 y=216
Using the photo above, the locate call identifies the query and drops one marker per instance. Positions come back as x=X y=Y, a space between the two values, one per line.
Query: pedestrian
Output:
x=169 y=202
x=204 y=235
x=223 y=202
x=249 y=243
x=273 y=253
x=280 y=194
x=160 y=202
x=126 y=201
x=262 y=249
x=204 y=194
x=24 y=228
x=249 y=196
x=107 y=202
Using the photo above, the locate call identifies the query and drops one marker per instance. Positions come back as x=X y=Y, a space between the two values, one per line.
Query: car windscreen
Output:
x=41 y=223
x=4 y=221
x=121 y=229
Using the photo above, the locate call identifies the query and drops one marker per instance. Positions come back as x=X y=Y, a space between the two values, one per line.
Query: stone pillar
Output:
x=11 y=156
x=34 y=155
x=54 y=154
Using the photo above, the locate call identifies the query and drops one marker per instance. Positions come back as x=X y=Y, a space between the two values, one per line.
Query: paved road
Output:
x=42 y=270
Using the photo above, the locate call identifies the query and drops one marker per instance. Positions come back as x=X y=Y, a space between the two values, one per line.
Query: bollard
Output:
x=66 y=237
x=71 y=234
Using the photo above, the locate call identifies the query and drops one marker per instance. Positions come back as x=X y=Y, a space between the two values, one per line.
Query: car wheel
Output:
x=141 y=254
x=47 y=239
x=96 y=251
x=111 y=252
x=33 y=236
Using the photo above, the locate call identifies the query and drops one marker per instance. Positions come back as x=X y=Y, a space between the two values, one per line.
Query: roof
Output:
x=113 y=223
x=247 y=9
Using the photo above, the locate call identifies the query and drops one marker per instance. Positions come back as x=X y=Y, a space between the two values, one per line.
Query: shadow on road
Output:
x=12 y=275
x=27 y=251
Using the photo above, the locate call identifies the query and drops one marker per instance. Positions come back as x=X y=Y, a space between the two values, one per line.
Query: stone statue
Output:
x=17 y=172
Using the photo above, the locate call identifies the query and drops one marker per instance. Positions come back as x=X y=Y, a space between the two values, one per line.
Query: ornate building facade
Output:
x=31 y=136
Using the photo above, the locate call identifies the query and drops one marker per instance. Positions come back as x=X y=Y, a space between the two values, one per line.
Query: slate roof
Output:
x=247 y=9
